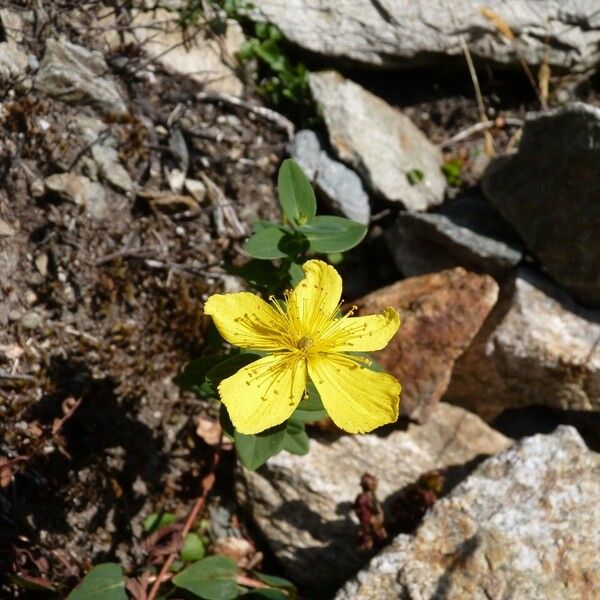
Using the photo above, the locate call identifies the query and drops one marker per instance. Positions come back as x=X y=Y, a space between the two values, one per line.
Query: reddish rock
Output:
x=441 y=313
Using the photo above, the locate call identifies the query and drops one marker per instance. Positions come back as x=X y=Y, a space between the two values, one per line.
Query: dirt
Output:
x=105 y=312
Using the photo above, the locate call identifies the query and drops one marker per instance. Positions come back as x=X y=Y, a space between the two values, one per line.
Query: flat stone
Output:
x=78 y=76
x=377 y=140
x=440 y=315
x=401 y=33
x=13 y=62
x=551 y=197
x=523 y=525
x=303 y=504
x=338 y=185
x=537 y=347
x=461 y=235
x=81 y=191
x=191 y=52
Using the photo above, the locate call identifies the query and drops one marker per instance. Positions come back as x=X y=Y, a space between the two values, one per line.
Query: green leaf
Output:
x=261 y=275
x=266 y=242
x=266 y=594
x=296 y=441
x=255 y=450
x=415 y=176
x=296 y=195
x=296 y=274
x=333 y=234
x=155 y=521
x=212 y=578
x=229 y=367
x=310 y=409
x=193 y=547
x=274 y=581
x=193 y=376
x=102 y=582
x=226 y=424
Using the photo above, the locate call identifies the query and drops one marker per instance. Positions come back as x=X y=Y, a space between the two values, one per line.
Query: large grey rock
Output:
x=381 y=143
x=302 y=504
x=537 y=347
x=390 y=33
x=550 y=192
x=524 y=526
x=466 y=234
x=341 y=187
x=79 y=76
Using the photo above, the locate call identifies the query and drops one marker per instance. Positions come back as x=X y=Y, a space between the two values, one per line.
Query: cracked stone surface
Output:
x=392 y=33
x=524 y=525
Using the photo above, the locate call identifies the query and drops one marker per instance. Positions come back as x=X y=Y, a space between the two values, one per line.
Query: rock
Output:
x=392 y=33
x=468 y=234
x=6 y=229
x=192 y=51
x=303 y=503
x=196 y=189
x=81 y=191
x=381 y=143
x=551 y=197
x=13 y=62
x=77 y=75
x=440 y=315
x=11 y=24
x=524 y=525
x=537 y=347
x=340 y=186
x=104 y=151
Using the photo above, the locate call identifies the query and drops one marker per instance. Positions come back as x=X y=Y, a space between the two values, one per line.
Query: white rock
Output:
x=537 y=347
x=381 y=143
x=391 y=33
x=524 y=525
x=303 y=504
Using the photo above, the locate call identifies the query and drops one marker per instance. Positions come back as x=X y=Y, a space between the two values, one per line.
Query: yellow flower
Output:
x=306 y=337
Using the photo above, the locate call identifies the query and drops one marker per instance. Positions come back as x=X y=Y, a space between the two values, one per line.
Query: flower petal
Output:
x=247 y=321
x=316 y=298
x=264 y=393
x=356 y=398
x=361 y=334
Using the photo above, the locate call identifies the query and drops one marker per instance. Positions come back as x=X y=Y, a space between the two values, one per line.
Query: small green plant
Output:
x=279 y=79
x=452 y=169
x=305 y=326
x=210 y=578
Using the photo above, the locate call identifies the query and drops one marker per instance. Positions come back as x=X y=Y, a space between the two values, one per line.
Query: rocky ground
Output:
x=135 y=154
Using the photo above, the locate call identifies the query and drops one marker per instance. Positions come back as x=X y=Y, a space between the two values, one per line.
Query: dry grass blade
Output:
x=489 y=143
x=544 y=76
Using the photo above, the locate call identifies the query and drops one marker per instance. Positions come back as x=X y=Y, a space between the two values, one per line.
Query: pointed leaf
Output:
x=296 y=194
x=296 y=441
x=265 y=243
x=102 y=582
x=333 y=234
x=255 y=450
x=212 y=578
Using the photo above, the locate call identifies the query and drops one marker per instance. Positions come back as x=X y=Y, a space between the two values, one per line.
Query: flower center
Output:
x=305 y=343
